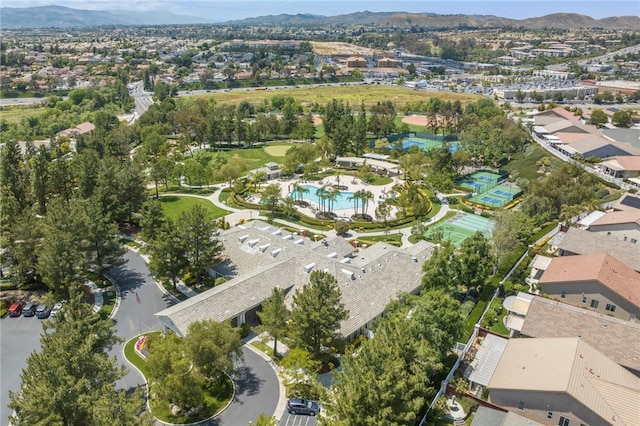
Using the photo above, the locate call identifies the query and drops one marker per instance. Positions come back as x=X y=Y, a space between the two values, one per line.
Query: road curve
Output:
x=257 y=386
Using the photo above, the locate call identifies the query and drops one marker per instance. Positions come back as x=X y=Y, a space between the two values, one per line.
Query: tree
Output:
x=389 y=379
x=271 y=198
x=299 y=374
x=263 y=420
x=152 y=220
x=60 y=256
x=100 y=246
x=598 y=118
x=383 y=211
x=199 y=236
x=213 y=347
x=316 y=312
x=172 y=376
x=168 y=254
x=341 y=227
x=274 y=317
x=621 y=118
x=439 y=271
x=475 y=260
x=70 y=381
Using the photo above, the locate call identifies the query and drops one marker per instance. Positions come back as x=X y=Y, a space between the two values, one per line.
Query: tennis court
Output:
x=459 y=227
x=498 y=196
x=426 y=144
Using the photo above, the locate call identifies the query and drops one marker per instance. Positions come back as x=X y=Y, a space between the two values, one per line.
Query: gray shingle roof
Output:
x=260 y=257
x=579 y=241
x=617 y=339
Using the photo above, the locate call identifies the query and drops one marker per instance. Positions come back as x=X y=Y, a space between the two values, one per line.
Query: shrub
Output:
x=245 y=329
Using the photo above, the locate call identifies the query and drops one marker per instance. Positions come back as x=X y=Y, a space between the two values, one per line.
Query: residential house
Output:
x=621 y=166
x=594 y=281
x=627 y=202
x=617 y=339
x=564 y=381
x=486 y=416
x=623 y=225
x=578 y=241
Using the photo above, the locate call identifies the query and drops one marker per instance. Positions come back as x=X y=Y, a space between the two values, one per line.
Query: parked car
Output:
x=15 y=310
x=43 y=311
x=56 y=309
x=302 y=406
x=29 y=309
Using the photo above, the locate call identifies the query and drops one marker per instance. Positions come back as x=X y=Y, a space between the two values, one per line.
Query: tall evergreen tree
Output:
x=70 y=381
x=316 y=312
x=168 y=254
x=274 y=317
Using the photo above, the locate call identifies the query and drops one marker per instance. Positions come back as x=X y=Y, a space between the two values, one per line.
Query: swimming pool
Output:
x=341 y=202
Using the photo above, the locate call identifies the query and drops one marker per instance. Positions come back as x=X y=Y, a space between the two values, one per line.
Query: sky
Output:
x=225 y=10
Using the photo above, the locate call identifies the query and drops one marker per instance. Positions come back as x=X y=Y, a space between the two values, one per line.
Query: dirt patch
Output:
x=317 y=120
x=415 y=120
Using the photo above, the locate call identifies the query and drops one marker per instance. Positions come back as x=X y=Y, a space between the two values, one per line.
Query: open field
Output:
x=16 y=114
x=353 y=95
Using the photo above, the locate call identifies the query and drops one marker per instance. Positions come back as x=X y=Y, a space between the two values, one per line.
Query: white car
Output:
x=56 y=308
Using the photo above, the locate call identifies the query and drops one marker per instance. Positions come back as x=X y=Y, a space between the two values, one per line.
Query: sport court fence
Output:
x=392 y=138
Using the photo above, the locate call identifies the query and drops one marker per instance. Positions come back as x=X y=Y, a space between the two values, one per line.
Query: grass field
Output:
x=16 y=114
x=174 y=205
x=353 y=95
x=525 y=162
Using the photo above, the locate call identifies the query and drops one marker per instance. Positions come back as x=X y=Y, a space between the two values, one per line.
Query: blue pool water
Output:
x=341 y=202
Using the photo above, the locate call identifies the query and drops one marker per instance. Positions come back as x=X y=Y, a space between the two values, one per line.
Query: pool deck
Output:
x=380 y=192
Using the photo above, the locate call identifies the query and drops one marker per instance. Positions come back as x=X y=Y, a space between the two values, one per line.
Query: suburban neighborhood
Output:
x=372 y=218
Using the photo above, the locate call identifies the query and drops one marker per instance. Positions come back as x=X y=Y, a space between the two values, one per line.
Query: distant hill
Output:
x=63 y=17
x=431 y=20
x=59 y=16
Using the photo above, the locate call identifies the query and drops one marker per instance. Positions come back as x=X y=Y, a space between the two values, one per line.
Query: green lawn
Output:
x=174 y=205
x=108 y=303
x=217 y=392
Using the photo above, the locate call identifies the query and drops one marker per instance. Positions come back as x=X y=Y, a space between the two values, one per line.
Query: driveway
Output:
x=257 y=387
x=18 y=338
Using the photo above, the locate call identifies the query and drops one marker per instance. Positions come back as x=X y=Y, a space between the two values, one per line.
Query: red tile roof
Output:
x=600 y=267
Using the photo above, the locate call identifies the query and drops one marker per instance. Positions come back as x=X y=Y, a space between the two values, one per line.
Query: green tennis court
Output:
x=459 y=227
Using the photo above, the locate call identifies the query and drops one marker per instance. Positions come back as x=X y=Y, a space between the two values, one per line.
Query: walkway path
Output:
x=236 y=215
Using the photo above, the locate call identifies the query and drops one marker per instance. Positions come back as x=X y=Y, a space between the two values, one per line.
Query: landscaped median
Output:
x=217 y=393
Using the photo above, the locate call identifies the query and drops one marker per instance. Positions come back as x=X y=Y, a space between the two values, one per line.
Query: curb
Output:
x=282 y=400
x=146 y=385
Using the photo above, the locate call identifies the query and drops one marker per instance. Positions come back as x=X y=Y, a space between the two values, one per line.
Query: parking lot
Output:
x=297 y=420
x=18 y=338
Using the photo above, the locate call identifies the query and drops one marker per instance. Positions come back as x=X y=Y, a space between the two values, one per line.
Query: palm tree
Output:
x=321 y=193
x=300 y=191
x=332 y=196
x=366 y=196
x=355 y=198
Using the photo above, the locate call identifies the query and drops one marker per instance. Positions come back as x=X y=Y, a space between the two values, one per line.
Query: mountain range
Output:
x=64 y=17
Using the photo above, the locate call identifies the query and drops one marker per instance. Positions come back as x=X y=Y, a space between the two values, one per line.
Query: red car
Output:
x=16 y=309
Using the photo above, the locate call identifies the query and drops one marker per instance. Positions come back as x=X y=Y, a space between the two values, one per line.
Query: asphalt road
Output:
x=18 y=338
x=133 y=318
x=257 y=388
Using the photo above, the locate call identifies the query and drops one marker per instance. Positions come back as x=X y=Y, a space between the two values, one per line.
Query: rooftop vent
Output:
x=300 y=241
x=264 y=247
x=414 y=258
x=288 y=237
x=349 y=274
x=275 y=252
x=333 y=255
x=309 y=267
x=277 y=232
x=265 y=229
x=346 y=260
x=241 y=238
x=252 y=243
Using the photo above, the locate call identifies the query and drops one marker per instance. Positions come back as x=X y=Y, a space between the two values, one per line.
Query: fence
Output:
x=476 y=329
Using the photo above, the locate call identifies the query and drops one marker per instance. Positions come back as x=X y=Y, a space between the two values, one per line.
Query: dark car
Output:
x=29 y=309
x=43 y=311
x=16 y=309
x=302 y=406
